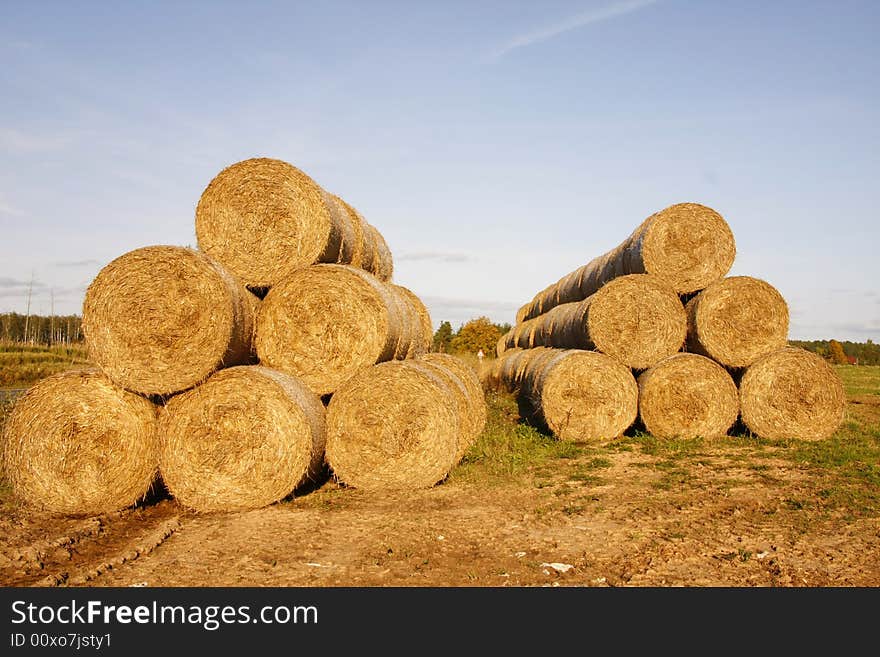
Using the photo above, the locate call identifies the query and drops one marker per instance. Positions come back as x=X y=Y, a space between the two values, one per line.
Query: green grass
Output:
x=860 y=380
x=22 y=365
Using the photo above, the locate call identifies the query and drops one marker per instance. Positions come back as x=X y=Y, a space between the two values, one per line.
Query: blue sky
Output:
x=496 y=145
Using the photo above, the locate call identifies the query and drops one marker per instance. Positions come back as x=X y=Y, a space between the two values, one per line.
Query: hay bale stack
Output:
x=792 y=393
x=76 y=444
x=737 y=320
x=422 y=326
x=688 y=245
x=245 y=438
x=579 y=395
x=263 y=219
x=474 y=420
x=393 y=426
x=374 y=255
x=636 y=318
x=686 y=396
x=326 y=322
x=161 y=319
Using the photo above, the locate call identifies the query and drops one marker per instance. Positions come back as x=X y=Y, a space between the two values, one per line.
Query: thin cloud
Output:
x=77 y=263
x=572 y=23
x=8 y=210
x=435 y=255
x=16 y=141
x=8 y=282
x=470 y=304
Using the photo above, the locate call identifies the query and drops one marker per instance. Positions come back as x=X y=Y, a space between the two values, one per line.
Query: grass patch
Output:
x=508 y=447
x=860 y=380
x=22 y=365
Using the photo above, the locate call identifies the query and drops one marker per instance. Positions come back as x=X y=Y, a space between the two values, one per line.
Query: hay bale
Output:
x=686 y=396
x=161 y=319
x=501 y=345
x=358 y=225
x=475 y=418
x=636 y=318
x=76 y=444
x=464 y=405
x=350 y=236
x=688 y=245
x=422 y=326
x=792 y=393
x=326 y=322
x=382 y=265
x=737 y=320
x=263 y=218
x=245 y=438
x=392 y=426
x=580 y=396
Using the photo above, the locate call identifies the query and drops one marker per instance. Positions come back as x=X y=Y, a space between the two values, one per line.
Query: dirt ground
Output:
x=615 y=516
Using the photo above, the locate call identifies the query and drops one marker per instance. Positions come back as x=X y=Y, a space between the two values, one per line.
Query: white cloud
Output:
x=583 y=19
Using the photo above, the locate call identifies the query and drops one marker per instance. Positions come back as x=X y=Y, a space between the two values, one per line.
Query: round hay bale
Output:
x=581 y=396
x=637 y=319
x=686 y=396
x=475 y=418
x=358 y=226
x=346 y=241
x=76 y=444
x=264 y=218
x=245 y=438
x=383 y=264
x=688 y=245
x=737 y=320
x=463 y=403
x=792 y=393
x=501 y=345
x=423 y=328
x=326 y=322
x=392 y=426
x=161 y=319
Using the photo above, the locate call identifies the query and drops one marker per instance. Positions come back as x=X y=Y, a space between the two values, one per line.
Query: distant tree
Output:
x=504 y=328
x=477 y=334
x=836 y=353
x=443 y=337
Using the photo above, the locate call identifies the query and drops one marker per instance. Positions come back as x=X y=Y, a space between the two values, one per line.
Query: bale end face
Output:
x=75 y=444
x=792 y=393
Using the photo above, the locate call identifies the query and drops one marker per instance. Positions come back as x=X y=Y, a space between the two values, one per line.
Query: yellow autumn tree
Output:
x=479 y=333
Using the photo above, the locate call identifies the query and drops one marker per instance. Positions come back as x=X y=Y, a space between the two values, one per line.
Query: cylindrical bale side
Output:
x=392 y=426
x=688 y=245
x=357 y=258
x=737 y=320
x=76 y=444
x=247 y=437
x=636 y=318
x=161 y=319
x=326 y=322
x=463 y=402
x=687 y=396
x=792 y=393
x=263 y=218
x=581 y=396
x=475 y=419
x=423 y=328
x=383 y=263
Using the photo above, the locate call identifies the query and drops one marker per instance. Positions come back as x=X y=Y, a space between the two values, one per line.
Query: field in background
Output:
x=634 y=511
x=22 y=365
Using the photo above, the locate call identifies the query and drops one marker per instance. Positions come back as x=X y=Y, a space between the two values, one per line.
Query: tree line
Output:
x=479 y=334
x=843 y=352
x=41 y=329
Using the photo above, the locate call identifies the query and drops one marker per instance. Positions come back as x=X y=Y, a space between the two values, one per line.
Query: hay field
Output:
x=22 y=365
x=635 y=511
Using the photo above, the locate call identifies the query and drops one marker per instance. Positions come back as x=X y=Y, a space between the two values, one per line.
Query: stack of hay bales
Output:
x=701 y=348
x=216 y=365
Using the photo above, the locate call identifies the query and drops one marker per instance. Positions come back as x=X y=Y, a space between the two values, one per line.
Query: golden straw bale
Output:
x=688 y=245
x=581 y=396
x=737 y=320
x=792 y=393
x=423 y=327
x=383 y=264
x=245 y=438
x=324 y=323
x=263 y=218
x=686 y=396
x=358 y=226
x=636 y=318
x=393 y=426
x=161 y=319
x=76 y=444
x=475 y=418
